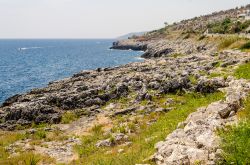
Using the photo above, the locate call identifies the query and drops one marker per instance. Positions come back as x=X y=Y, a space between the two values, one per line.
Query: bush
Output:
x=227 y=26
x=220 y=27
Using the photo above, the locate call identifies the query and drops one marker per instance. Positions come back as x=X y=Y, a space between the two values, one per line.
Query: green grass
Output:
x=226 y=42
x=140 y=149
x=243 y=71
x=193 y=79
x=219 y=74
x=175 y=55
x=69 y=117
x=28 y=158
x=217 y=64
x=236 y=139
x=97 y=129
x=7 y=138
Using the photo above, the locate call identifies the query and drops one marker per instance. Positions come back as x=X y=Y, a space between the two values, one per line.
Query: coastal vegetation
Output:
x=144 y=138
x=26 y=158
x=235 y=139
x=228 y=26
x=188 y=85
x=243 y=71
x=69 y=117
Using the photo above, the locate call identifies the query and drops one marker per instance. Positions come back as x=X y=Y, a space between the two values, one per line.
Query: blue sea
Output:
x=28 y=64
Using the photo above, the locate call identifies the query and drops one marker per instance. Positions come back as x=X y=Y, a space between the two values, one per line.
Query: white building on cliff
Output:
x=245 y=15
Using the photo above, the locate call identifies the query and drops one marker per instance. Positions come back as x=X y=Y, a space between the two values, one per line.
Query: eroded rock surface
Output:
x=87 y=91
x=197 y=141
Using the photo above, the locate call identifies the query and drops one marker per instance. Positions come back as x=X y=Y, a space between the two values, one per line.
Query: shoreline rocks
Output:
x=87 y=91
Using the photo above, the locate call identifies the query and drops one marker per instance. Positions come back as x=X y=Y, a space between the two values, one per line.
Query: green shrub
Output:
x=227 y=26
x=220 y=26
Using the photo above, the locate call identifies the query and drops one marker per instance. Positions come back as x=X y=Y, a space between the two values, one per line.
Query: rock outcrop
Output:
x=197 y=142
x=130 y=44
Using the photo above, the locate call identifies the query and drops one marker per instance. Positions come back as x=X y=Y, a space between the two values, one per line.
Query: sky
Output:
x=98 y=18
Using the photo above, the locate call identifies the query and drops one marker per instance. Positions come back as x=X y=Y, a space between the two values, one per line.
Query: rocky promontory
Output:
x=129 y=45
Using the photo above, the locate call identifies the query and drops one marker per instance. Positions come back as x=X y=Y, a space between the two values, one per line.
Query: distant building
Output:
x=244 y=14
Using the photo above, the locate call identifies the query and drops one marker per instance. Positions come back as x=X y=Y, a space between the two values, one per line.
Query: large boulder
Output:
x=32 y=112
x=122 y=90
x=175 y=84
x=210 y=85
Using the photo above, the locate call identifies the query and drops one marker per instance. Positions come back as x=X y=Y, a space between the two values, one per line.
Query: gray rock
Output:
x=210 y=85
x=125 y=111
x=103 y=143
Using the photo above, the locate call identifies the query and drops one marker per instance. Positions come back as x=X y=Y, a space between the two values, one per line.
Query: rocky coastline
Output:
x=111 y=106
x=92 y=89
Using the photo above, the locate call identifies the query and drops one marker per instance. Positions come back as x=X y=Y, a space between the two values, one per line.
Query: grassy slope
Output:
x=27 y=158
x=141 y=149
x=236 y=139
x=243 y=71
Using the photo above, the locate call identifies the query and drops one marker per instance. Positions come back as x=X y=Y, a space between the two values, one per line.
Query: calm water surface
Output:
x=27 y=64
